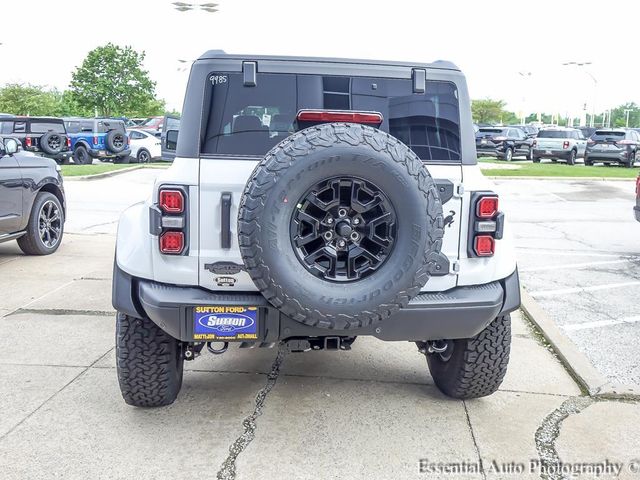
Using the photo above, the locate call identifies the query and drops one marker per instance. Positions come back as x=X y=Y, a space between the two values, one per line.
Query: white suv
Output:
x=312 y=201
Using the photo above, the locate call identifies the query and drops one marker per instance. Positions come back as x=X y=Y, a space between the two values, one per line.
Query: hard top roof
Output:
x=24 y=118
x=220 y=54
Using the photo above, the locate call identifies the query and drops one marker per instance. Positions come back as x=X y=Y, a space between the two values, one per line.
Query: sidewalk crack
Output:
x=473 y=438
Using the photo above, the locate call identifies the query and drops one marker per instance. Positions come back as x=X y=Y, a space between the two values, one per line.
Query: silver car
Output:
x=559 y=143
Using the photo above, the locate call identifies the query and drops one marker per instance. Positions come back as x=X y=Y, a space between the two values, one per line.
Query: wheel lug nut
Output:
x=354 y=236
x=342 y=212
x=342 y=243
x=329 y=220
x=328 y=235
x=356 y=221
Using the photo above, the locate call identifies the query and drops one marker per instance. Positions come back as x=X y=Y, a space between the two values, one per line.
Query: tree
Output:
x=112 y=82
x=619 y=116
x=487 y=110
x=26 y=99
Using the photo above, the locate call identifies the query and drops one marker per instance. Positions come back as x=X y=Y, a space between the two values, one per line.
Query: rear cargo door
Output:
x=249 y=114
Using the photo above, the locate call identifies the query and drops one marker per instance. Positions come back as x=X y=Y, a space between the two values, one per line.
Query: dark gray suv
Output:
x=613 y=145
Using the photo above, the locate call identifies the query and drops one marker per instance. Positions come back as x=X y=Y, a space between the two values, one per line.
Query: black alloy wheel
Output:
x=343 y=229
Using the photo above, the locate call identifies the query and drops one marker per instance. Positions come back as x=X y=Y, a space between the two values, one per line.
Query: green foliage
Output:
x=111 y=81
x=619 y=116
x=487 y=110
x=25 y=99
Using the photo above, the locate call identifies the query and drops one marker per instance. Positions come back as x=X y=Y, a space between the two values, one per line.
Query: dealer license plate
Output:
x=225 y=323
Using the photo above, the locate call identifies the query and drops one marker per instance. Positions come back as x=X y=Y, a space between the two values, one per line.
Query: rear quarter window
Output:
x=250 y=121
x=44 y=127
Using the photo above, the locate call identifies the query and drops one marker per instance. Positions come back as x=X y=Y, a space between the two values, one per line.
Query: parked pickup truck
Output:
x=559 y=143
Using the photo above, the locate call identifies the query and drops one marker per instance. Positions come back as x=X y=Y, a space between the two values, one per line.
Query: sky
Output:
x=508 y=50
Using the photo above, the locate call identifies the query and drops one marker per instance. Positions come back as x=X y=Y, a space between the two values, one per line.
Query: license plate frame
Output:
x=225 y=323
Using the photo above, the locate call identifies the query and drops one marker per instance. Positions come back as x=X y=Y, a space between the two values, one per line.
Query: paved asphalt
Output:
x=579 y=257
x=372 y=412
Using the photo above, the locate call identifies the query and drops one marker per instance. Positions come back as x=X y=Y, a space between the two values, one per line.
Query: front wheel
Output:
x=473 y=367
x=45 y=227
x=149 y=362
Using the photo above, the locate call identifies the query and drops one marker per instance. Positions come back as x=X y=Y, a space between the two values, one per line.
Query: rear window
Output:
x=491 y=130
x=555 y=134
x=44 y=127
x=247 y=120
x=604 y=134
x=6 y=127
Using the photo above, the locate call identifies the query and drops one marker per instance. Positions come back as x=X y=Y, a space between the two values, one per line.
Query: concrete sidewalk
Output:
x=372 y=412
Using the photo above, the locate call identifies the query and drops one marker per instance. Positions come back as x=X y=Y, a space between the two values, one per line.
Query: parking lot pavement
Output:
x=95 y=206
x=578 y=254
x=372 y=412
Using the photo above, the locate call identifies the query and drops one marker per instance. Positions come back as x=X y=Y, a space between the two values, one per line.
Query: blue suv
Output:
x=101 y=138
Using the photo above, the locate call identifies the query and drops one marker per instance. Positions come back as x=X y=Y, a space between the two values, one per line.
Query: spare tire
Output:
x=116 y=141
x=51 y=143
x=339 y=224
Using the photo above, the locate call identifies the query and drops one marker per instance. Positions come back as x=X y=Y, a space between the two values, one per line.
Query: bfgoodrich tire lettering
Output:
x=476 y=366
x=278 y=183
x=149 y=362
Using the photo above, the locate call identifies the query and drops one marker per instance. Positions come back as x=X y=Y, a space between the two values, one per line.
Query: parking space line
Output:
x=569 y=291
x=574 y=265
x=565 y=253
x=600 y=323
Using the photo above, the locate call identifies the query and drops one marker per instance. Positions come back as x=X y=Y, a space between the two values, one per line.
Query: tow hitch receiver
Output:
x=320 y=343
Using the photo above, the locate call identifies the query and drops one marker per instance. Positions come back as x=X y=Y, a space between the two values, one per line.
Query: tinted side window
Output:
x=73 y=127
x=251 y=120
x=6 y=127
x=44 y=127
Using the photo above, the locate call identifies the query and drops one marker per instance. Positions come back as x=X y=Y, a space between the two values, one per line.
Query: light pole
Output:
x=525 y=76
x=595 y=87
x=626 y=112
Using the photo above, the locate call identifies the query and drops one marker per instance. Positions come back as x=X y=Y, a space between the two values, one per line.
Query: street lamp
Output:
x=626 y=112
x=525 y=76
x=185 y=7
x=183 y=65
x=595 y=87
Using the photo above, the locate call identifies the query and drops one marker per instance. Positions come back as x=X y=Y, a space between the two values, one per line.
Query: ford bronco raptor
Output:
x=311 y=201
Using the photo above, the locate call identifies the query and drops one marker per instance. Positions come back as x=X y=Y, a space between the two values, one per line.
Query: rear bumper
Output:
x=544 y=153
x=461 y=312
x=107 y=154
x=489 y=152
x=622 y=156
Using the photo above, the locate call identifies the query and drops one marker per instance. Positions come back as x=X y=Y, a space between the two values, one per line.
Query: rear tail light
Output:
x=484 y=245
x=95 y=140
x=487 y=207
x=535 y=143
x=170 y=220
x=565 y=144
x=68 y=142
x=27 y=142
x=327 y=116
x=171 y=201
x=172 y=243
x=591 y=141
x=486 y=224
x=128 y=140
x=625 y=142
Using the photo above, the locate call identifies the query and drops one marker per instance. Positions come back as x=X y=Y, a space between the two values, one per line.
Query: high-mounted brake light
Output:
x=487 y=207
x=370 y=118
x=484 y=245
x=171 y=201
x=172 y=243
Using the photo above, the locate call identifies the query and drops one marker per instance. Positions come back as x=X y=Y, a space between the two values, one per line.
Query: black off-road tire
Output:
x=149 y=362
x=32 y=243
x=279 y=183
x=571 y=159
x=51 y=143
x=477 y=365
x=115 y=141
x=81 y=156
